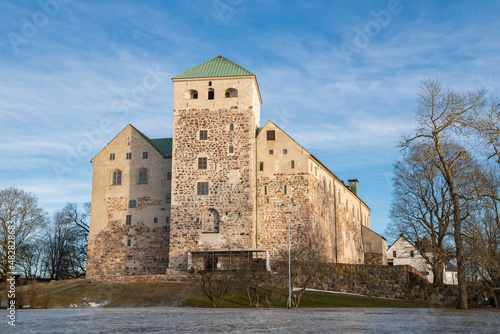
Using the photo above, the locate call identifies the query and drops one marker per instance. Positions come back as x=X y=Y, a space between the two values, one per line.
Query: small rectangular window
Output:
x=129 y=156
x=231 y=150
x=203 y=134
x=231 y=127
x=265 y=190
x=292 y=164
x=128 y=220
x=270 y=135
x=144 y=155
x=112 y=156
x=169 y=175
x=202 y=163
x=168 y=220
x=155 y=220
x=202 y=188
x=129 y=242
x=261 y=166
x=393 y=253
x=168 y=198
x=271 y=151
x=412 y=254
x=284 y=190
x=285 y=151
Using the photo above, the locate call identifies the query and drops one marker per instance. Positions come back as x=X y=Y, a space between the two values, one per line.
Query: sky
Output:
x=340 y=77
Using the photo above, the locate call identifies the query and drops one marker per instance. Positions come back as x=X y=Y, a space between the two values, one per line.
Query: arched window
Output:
x=117 y=177
x=143 y=176
x=191 y=94
x=132 y=203
x=210 y=94
x=210 y=221
x=231 y=92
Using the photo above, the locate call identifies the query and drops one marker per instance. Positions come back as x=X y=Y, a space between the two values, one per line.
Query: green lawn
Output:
x=143 y=294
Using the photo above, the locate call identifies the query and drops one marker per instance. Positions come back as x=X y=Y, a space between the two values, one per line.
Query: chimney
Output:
x=353 y=186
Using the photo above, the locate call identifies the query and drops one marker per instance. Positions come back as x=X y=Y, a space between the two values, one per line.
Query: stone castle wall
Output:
x=230 y=177
x=109 y=252
x=147 y=254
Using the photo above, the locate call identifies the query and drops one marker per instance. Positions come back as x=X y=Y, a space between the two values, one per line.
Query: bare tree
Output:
x=421 y=209
x=31 y=259
x=65 y=244
x=20 y=208
x=215 y=283
x=306 y=264
x=485 y=125
x=253 y=274
x=482 y=235
x=440 y=115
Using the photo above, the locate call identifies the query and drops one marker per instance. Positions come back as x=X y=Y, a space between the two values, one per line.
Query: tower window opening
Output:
x=231 y=92
x=211 y=94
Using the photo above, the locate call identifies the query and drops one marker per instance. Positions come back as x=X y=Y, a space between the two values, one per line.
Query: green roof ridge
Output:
x=215 y=67
x=162 y=145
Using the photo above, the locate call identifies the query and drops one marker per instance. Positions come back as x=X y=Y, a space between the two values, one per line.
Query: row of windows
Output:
x=204 y=133
x=128 y=156
x=412 y=253
x=142 y=177
x=133 y=203
x=128 y=220
x=193 y=93
x=285 y=151
x=285 y=190
x=261 y=165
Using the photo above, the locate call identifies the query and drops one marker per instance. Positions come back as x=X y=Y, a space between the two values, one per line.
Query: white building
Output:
x=403 y=252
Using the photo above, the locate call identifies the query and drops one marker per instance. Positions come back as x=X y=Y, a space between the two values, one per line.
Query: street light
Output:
x=288 y=212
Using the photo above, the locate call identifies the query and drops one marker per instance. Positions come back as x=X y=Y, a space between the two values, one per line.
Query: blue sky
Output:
x=339 y=76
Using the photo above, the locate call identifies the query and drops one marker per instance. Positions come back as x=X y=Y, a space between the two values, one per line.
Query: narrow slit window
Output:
x=292 y=164
x=261 y=166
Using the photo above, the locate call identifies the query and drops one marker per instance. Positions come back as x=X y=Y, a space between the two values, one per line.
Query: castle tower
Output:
x=216 y=114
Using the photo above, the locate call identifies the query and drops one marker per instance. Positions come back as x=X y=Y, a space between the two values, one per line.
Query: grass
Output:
x=148 y=294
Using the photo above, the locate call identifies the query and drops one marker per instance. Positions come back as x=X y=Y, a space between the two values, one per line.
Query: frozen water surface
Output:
x=195 y=320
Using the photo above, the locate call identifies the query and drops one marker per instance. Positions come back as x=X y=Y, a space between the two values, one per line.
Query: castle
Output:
x=221 y=185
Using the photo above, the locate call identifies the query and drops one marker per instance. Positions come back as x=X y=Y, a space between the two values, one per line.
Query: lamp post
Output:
x=288 y=212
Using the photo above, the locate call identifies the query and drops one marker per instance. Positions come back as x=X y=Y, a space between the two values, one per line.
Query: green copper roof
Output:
x=164 y=146
x=216 y=67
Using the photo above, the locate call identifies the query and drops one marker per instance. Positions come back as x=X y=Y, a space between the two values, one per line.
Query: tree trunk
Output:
x=457 y=219
x=437 y=268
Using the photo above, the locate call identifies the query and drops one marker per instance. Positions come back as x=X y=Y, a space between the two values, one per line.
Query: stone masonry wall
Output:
x=230 y=178
x=398 y=282
x=272 y=227
x=146 y=255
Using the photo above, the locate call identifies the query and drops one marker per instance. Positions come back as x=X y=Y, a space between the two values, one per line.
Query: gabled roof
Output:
x=215 y=67
x=162 y=145
x=259 y=130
